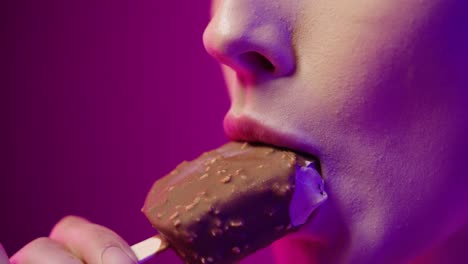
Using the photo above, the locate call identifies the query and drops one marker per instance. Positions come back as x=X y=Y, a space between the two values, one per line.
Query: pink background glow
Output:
x=98 y=99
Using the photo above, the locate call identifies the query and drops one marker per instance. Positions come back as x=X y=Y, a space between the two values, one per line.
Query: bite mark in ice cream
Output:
x=308 y=194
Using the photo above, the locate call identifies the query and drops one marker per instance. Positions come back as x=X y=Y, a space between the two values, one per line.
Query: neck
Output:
x=453 y=250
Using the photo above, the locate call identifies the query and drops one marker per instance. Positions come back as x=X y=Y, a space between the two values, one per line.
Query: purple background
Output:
x=97 y=100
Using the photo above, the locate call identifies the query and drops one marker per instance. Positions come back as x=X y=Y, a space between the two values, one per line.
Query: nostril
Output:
x=256 y=62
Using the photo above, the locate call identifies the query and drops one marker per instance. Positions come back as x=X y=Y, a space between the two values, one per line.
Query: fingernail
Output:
x=115 y=255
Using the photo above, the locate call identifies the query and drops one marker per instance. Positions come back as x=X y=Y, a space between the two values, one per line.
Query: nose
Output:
x=251 y=38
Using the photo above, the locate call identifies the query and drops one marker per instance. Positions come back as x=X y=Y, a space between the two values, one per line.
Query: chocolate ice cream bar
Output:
x=232 y=201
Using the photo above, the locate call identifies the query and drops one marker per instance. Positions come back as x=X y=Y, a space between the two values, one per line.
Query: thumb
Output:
x=3 y=256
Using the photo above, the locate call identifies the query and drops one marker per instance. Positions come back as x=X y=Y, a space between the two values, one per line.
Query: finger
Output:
x=3 y=256
x=92 y=243
x=44 y=251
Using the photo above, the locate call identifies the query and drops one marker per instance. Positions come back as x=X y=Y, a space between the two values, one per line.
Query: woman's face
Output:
x=377 y=91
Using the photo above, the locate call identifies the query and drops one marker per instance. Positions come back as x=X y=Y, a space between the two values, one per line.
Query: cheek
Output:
x=350 y=54
x=371 y=64
x=368 y=72
x=377 y=101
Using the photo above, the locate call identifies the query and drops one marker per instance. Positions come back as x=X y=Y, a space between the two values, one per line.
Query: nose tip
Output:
x=254 y=46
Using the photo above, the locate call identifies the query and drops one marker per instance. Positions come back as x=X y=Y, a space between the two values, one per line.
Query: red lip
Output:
x=243 y=128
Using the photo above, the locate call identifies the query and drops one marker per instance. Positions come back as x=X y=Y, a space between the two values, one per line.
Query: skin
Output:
x=74 y=240
x=377 y=90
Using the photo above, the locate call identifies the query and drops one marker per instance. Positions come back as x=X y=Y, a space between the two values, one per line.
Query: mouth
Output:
x=243 y=128
x=246 y=129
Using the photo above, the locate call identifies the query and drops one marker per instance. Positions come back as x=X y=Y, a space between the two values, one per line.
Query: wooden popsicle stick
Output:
x=148 y=248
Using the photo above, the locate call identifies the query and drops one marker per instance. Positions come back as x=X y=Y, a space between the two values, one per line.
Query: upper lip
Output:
x=244 y=128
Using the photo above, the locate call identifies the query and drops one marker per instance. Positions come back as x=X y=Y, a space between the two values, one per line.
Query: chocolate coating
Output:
x=225 y=204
